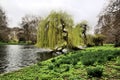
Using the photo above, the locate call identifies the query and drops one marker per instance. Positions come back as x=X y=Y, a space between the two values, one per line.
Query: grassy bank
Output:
x=13 y=43
x=92 y=63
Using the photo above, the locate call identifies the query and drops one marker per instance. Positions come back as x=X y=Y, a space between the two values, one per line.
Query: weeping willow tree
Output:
x=83 y=28
x=75 y=36
x=57 y=30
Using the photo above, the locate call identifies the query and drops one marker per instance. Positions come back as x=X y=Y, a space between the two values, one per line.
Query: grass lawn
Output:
x=94 y=63
x=13 y=43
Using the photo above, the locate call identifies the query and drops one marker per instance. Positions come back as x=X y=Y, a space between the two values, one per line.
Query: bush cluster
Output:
x=95 y=71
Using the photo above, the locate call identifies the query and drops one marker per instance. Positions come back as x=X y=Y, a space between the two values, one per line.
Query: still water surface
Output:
x=14 y=57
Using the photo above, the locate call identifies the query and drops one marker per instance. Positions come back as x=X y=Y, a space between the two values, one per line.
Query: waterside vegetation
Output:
x=102 y=62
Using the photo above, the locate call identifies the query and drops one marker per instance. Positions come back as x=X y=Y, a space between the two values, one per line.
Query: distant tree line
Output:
x=29 y=24
x=4 y=30
x=58 y=30
x=26 y=33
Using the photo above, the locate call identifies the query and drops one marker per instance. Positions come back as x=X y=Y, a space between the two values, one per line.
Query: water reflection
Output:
x=13 y=57
x=3 y=61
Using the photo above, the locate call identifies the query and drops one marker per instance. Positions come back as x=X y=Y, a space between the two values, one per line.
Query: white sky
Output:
x=79 y=9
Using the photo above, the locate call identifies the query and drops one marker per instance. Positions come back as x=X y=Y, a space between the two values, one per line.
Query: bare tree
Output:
x=30 y=24
x=109 y=22
x=4 y=31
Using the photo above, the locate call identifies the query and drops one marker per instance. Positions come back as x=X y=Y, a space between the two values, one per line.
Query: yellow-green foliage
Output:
x=95 y=40
x=75 y=36
x=50 y=31
x=90 y=39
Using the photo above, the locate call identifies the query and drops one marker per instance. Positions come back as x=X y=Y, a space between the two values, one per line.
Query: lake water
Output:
x=14 y=57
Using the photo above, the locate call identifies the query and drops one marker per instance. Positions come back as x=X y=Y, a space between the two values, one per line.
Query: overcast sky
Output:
x=79 y=9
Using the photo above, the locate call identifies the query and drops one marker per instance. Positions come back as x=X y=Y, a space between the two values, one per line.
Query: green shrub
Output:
x=88 y=62
x=109 y=57
x=51 y=67
x=90 y=45
x=117 y=44
x=74 y=62
x=53 y=60
x=98 y=39
x=90 y=40
x=21 y=42
x=65 y=76
x=67 y=68
x=101 y=60
x=75 y=77
x=65 y=54
x=95 y=71
x=116 y=53
x=57 y=65
x=28 y=42
x=118 y=61
x=39 y=64
x=66 y=61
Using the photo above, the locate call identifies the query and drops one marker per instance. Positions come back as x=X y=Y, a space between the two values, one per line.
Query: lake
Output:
x=14 y=57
